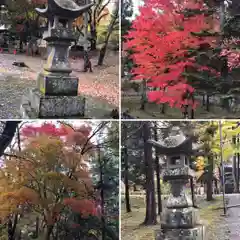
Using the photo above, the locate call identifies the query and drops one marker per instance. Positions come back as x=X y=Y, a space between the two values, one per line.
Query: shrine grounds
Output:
x=218 y=227
x=101 y=86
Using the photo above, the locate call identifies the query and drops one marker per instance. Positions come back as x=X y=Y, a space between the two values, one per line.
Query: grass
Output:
x=132 y=104
x=132 y=229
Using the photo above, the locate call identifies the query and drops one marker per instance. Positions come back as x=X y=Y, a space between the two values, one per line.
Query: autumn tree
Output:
x=96 y=14
x=165 y=39
x=48 y=175
x=113 y=26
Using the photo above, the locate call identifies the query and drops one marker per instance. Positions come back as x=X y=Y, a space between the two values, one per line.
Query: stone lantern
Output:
x=179 y=220
x=56 y=95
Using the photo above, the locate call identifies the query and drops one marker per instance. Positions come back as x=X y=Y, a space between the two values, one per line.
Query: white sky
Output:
x=136 y=4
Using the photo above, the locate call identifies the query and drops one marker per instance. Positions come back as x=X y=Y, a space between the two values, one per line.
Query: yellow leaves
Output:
x=44 y=149
x=200 y=163
x=10 y=201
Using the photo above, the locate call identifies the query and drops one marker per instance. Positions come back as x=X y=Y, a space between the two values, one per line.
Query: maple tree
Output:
x=166 y=38
x=48 y=175
x=52 y=177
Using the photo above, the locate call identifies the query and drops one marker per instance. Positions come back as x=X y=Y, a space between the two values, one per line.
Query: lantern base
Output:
x=196 y=233
x=37 y=105
x=179 y=218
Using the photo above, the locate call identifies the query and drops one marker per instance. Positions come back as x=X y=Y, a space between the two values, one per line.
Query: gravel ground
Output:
x=101 y=85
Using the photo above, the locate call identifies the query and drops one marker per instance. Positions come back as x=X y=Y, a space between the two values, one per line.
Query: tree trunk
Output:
x=110 y=30
x=203 y=100
x=192 y=113
x=192 y=110
x=144 y=95
x=158 y=169
x=10 y=230
x=209 y=183
x=163 y=108
x=125 y=159
x=102 y=54
x=101 y=171
x=150 y=218
x=216 y=187
x=48 y=232
x=37 y=226
x=15 y=222
x=209 y=186
x=85 y=53
x=208 y=103
x=185 y=111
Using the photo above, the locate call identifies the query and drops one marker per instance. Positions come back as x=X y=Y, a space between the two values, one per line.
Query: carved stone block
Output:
x=41 y=106
x=56 y=85
x=179 y=218
x=196 y=233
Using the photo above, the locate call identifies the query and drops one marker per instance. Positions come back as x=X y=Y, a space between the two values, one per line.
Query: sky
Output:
x=136 y=4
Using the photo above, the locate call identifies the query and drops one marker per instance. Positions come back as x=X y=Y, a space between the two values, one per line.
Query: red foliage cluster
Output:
x=53 y=130
x=231 y=52
x=161 y=37
x=84 y=206
x=79 y=136
x=46 y=128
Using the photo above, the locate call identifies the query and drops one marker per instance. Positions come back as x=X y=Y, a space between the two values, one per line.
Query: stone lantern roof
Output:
x=173 y=145
x=63 y=8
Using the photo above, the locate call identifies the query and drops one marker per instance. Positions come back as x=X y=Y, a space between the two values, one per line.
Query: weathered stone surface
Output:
x=176 y=171
x=57 y=60
x=178 y=197
x=42 y=106
x=179 y=218
x=56 y=85
x=61 y=33
x=196 y=233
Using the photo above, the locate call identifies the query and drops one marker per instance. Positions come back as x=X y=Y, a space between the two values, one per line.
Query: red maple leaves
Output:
x=83 y=206
x=161 y=38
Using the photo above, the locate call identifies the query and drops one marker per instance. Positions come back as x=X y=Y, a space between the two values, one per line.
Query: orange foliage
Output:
x=47 y=165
